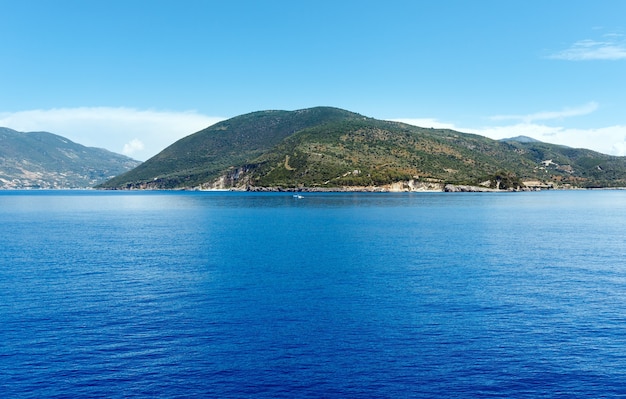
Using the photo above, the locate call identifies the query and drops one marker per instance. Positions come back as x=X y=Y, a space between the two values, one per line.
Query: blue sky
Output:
x=134 y=76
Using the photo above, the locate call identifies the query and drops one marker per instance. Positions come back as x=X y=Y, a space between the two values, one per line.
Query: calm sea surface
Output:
x=236 y=295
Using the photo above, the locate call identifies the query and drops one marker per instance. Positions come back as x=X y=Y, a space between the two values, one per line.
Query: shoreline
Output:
x=373 y=189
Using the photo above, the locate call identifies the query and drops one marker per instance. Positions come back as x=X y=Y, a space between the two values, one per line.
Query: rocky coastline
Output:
x=392 y=188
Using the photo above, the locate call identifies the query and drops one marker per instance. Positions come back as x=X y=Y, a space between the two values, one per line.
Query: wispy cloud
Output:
x=548 y=115
x=137 y=133
x=132 y=147
x=613 y=47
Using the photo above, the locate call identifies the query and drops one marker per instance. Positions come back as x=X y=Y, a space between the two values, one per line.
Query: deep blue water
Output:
x=236 y=295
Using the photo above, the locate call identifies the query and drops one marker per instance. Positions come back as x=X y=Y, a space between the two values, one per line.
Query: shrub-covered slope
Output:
x=330 y=148
x=46 y=160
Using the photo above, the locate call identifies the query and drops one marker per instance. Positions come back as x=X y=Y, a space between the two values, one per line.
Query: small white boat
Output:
x=298 y=196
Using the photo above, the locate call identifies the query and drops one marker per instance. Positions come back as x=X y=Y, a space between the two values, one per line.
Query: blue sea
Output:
x=334 y=295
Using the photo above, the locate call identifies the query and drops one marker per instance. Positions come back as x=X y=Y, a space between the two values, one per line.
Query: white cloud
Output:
x=122 y=130
x=547 y=115
x=613 y=48
x=132 y=147
x=607 y=140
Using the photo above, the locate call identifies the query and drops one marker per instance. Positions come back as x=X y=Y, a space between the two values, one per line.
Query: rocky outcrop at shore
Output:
x=407 y=186
x=452 y=188
x=392 y=188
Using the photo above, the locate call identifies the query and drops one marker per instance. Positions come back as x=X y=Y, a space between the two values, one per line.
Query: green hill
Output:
x=203 y=156
x=46 y=160
x=329 y=148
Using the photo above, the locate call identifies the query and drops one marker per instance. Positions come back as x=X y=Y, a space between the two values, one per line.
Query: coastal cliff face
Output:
x=235 y=179
x=451 y=188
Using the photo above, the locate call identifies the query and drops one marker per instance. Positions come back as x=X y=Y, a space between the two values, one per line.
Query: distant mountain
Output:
x=46 y=160
x=327 y=148
x=522 y=139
